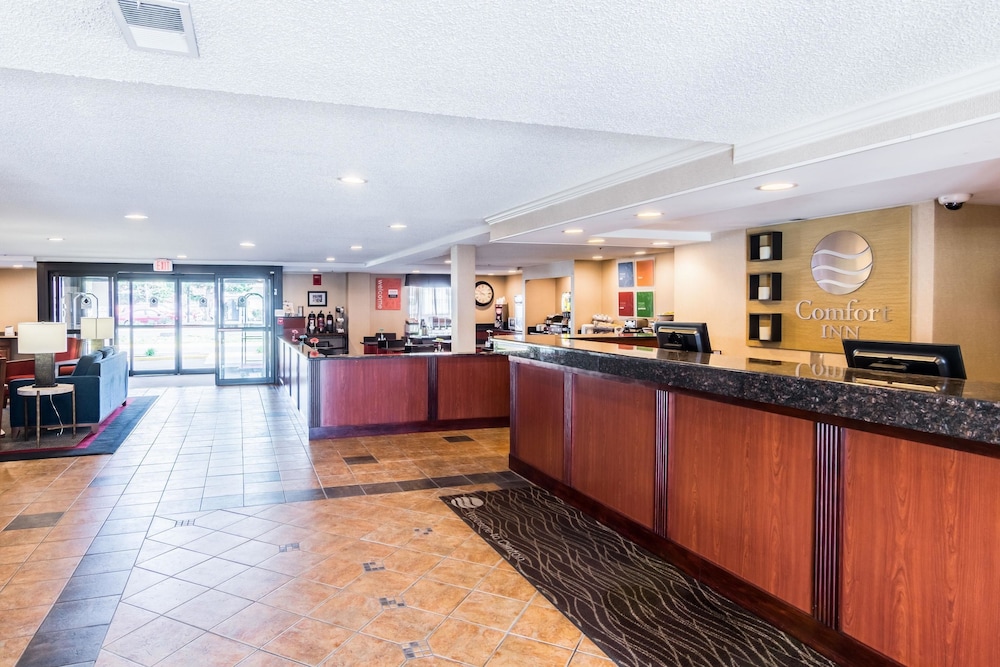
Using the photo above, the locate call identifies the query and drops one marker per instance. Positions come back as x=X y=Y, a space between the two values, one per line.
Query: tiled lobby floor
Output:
x=218 y=535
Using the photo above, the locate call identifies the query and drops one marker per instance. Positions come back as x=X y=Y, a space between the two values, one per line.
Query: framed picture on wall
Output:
x=644 y=304
x=626 y=274
x=316 y=298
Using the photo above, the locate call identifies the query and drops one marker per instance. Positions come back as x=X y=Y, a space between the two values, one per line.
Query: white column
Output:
x=463 y=298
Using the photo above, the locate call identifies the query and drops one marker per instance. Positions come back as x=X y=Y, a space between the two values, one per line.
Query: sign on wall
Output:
x=843 y=277
x=387 y=293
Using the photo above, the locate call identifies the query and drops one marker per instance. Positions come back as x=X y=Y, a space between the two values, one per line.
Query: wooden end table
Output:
x=38 y=392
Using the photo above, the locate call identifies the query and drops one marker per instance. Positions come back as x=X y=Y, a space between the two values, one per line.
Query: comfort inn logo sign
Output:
x=845 y=276
x=842 y=263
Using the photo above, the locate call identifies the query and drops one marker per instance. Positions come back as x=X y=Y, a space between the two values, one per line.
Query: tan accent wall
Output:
x=708 y=287
x=967 y=286
x=18 y=297
x=878 y=310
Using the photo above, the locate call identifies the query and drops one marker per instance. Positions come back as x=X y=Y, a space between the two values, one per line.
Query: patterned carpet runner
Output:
x=637 y=608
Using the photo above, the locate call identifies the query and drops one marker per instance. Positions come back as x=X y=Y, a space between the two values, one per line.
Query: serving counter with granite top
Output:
x=345 y=395
x=857 y=510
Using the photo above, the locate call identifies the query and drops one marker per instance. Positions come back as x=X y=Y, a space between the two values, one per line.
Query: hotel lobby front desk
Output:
x=861 y=517
x=344 y=395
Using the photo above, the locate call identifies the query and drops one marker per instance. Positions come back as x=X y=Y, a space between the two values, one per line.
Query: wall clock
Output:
x=484 y=293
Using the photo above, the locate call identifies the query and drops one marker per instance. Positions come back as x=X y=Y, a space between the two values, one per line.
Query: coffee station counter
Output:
x=856 y=510
x=346 y=395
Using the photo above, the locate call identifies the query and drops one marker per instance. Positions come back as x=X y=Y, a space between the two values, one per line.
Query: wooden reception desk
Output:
x=858 y=514
x=344 y=395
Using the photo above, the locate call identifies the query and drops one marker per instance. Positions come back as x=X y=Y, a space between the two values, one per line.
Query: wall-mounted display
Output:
x=644 y=304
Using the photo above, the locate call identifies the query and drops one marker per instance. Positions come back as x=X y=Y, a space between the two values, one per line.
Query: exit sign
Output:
x=163 y=265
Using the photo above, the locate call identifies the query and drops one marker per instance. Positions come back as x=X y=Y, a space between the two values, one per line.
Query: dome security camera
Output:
x=953 y=202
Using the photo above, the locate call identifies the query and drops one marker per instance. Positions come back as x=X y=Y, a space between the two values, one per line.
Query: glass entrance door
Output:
x=197 y=326
x=147 y=324
x=244 y=352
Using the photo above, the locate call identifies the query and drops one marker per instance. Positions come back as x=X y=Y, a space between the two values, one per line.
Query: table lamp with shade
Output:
x=97 y=329
x=43 y=339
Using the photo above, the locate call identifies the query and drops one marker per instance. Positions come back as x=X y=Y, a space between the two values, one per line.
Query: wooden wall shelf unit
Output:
x=765 y=287
x=765 y=247
x=765 y=327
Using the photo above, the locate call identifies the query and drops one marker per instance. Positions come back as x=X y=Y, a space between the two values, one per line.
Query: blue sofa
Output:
x=101 y=380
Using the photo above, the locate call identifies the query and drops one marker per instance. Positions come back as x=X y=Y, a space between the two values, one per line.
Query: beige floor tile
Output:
x=209 y=648
x=458 y=573
x=547 y=625
x=209 y=609
x=519 y=651
x=490 y=610
x=412 y=562
x=12 y=648
x=466 y=642
x=435 y=596
x=403 y=624
x=309 y=641
x=265 y=659
x=154 y=641
x=367 y=651
x=254 y=583
x=589 y=647
x=33 y=594
x=381 y=584
x=335 y=571
x=126 y=619
x=20 y=552
x=61 y=549
x=348 y=610
x=475 y=550
x=9 y=538
x=109 y=659
x=300 y=596
x=165 y=595
x=292 y=562
x=22 y=621
x=587 y=660
x=257 y=624
x=508 y=584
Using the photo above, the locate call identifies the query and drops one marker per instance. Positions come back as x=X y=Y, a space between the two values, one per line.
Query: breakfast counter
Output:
x=856 y=510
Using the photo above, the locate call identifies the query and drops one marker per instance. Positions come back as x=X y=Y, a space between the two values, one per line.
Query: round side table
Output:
x=38 y=392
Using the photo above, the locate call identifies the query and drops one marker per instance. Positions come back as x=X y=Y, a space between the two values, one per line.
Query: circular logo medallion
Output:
x=467 y=502
x=842 y=262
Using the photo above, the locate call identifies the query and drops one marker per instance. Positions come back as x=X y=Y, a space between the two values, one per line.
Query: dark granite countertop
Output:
x=961 y=409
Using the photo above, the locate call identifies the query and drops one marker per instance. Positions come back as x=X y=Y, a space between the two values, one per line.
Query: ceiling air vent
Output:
x=157 y=25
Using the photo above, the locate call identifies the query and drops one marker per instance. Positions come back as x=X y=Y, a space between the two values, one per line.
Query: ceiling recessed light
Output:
x=776 y=187
x=511 y=270
x=598 y=257
x=661 y=243
x=398 y=225
x=352 y=180
x=314 y=270
x=640 y=252
x=136 y=216
x=416 y=271
x=19 y=266
x=248 y=244
x=182 y=256
x=490 y=274
x=55 y=238
x=355 y=247
x=447 y=261
x=572 y=231
x=595 y=240
x=330 y=259
x=648 y=214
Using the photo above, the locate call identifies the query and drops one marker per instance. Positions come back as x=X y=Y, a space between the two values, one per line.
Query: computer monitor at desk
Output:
x=682 y=336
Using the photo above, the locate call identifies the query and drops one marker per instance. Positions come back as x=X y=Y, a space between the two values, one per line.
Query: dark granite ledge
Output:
x=952 y=408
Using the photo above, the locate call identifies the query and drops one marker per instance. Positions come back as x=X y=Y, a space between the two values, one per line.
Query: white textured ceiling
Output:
x=458 y=112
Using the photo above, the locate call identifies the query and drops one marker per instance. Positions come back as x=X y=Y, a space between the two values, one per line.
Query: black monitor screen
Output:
x=914 y=358
x=682 y=336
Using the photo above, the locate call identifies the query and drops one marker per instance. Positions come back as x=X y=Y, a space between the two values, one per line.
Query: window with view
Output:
x=430 y=307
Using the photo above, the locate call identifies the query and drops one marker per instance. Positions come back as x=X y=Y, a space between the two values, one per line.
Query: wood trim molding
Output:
x=829 y=524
